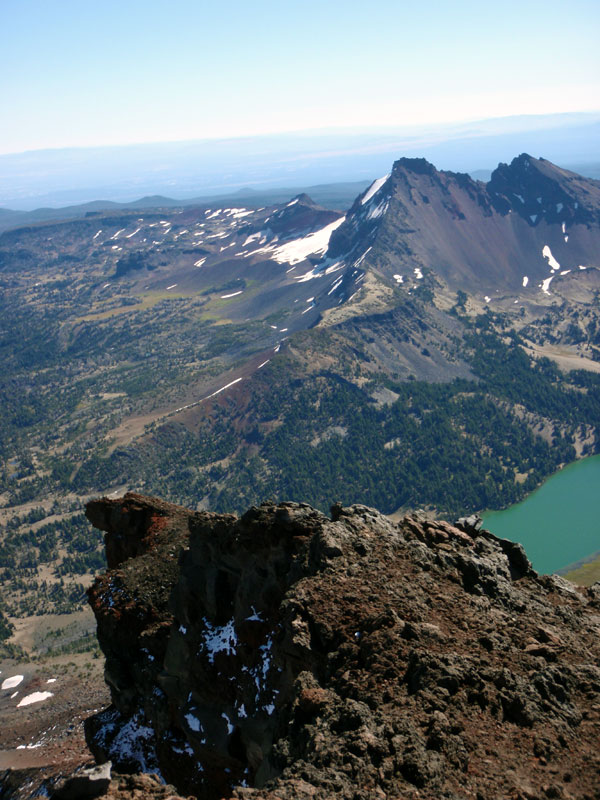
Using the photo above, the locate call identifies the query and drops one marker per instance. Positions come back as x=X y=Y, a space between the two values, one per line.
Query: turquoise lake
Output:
x=559 y=523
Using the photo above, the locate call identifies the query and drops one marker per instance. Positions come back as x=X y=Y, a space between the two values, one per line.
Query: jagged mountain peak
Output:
x=537 y=189
x=406 y=168
x=304 y=199
x=420 y=166
x=532 y=224
x=524 y=163
x=301 y=215
x=525 y=170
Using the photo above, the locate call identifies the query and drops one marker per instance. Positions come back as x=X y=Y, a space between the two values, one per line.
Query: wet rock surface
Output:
x=284 y=654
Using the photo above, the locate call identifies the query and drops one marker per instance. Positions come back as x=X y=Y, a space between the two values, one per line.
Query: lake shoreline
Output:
x=557 y=523
x=576 y=565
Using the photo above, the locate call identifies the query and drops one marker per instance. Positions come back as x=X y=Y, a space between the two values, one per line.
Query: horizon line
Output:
x=329 y=130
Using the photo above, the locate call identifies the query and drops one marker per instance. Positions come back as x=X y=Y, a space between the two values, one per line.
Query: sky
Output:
x=78 y=74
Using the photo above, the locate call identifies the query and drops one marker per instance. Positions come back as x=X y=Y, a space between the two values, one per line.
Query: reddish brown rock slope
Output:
x=353 y=657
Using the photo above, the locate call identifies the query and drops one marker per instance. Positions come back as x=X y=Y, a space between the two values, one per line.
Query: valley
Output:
x=435 y=345
x=299 y=401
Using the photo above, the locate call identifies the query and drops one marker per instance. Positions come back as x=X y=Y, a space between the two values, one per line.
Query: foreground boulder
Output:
x=285 y=654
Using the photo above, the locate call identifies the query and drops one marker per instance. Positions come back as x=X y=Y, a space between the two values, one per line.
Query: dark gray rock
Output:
x=89 y=783
x=288 y=655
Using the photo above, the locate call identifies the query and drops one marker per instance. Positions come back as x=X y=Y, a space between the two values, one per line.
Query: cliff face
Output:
x=288 y=655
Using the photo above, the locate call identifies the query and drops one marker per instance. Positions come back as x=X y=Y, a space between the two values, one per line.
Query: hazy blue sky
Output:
x=76 y=72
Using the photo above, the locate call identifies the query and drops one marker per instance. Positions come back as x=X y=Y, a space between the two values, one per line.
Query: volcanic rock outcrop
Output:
x=285 y=654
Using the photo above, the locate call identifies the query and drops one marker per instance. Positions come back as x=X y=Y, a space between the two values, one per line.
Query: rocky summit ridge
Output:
x=533 y=223
x=287 y=654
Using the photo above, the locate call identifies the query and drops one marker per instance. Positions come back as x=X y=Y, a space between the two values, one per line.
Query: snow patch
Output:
x=252 y=238
x=545 y=285
x=237 y=380
x=336 y=284
x=199 y=262
x=36 y=697
x=135 y=742
x=525 y=280
x=379 y=210
x=308 y=276
x=533 y=217
x=172 y=286
x=559 y=208
x=418 y=273
x=219 y=639
x=299 y=249
x=547 y=253
x=96 y=235
x=374 y=188
x=194 y=723
x=361 y=258
x=230 y=727
x=233 y=294
x=11 y=683
x=260 y=671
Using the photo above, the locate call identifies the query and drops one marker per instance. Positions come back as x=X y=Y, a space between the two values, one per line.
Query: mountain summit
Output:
x=536 y=187
x=532 y=222
x=287 y=654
